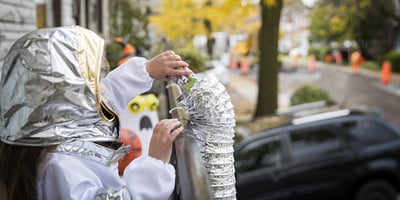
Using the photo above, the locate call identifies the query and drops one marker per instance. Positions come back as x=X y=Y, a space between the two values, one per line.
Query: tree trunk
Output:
x=267 y=101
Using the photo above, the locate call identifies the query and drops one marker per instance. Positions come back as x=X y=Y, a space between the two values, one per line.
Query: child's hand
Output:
x=166 y=64
x=164 y=134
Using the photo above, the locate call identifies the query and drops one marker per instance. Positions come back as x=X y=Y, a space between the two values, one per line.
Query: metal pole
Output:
x=192 y=179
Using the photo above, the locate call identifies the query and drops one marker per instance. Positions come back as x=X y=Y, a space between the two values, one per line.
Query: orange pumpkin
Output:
x=128 y=137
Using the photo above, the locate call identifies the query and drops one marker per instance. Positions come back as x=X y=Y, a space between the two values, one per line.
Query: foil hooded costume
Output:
x=55 y=90
x=50 y=89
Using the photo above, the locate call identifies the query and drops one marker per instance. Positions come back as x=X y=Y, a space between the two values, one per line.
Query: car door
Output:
x=317 y=165
x=258 y=168
x=377 y=146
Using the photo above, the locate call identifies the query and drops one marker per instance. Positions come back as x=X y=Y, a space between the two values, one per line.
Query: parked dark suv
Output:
x=339 y=155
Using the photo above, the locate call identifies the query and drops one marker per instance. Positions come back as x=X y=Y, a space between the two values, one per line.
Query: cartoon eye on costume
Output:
x=139 y=103
x=152 y=102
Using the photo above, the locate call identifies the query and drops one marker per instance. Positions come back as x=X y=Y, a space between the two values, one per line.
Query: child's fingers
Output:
x=176 y=132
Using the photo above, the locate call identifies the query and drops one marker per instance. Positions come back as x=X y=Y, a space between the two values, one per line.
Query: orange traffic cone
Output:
x=355 y=62
x=311 y=64
x=234 y=63
x=338 y=58
x=328 y=58
x=244 y=65
x=385 y=72
x=356 y=67
x=295 y=62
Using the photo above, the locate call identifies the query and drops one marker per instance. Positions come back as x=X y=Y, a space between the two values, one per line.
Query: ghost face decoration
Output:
x=141 y=116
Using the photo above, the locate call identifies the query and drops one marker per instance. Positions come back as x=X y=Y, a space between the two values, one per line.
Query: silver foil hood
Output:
x=50 y=89
x=213 y=120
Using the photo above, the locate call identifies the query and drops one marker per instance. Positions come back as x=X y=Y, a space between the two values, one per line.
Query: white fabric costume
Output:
x=91 y=172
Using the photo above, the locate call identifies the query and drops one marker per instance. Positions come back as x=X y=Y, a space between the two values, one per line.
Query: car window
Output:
x=264 y=155
x=314 y=143
x=369 y=132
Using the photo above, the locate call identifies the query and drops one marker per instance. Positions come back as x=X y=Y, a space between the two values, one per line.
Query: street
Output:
x=364 y=89
x=347 y=88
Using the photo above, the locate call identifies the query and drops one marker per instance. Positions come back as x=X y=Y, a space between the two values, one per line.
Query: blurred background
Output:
x=262 y=50
x=275 y=58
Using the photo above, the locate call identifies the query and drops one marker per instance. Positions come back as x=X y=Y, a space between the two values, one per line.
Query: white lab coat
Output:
x=89 y=171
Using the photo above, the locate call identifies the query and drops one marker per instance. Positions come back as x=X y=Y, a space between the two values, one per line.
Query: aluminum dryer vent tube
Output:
x=213 y=120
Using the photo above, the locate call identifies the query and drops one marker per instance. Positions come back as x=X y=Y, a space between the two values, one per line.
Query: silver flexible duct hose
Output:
x=213 y=118
x=192 y=178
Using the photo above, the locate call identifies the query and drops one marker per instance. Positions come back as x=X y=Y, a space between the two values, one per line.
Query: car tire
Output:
x=376 y=190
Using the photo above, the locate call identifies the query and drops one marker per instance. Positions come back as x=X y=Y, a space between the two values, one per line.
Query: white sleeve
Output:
x=70 y=178
x=125 y=82
x=148 y=178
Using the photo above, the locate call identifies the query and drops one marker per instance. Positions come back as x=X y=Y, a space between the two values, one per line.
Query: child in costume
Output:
x=59 y=120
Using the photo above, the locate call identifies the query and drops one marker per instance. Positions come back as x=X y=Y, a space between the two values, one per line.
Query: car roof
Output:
x=302 y=114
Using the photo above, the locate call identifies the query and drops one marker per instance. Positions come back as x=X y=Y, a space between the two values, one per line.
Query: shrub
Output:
x=195 y=58
x=371 y=65
x=312 y=51
x=113 y=54
x=319 y=53
x=309 y=93
x=394 y=58
x=322 y=52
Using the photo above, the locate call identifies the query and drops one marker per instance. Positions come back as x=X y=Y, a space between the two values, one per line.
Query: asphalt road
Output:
x=364 y=88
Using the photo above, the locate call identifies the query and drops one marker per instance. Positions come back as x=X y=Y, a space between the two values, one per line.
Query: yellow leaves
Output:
x=365 y=3
x=185 y=18
x=176 y=20
x=270 y=3
x=337 y=24
x=335 y=20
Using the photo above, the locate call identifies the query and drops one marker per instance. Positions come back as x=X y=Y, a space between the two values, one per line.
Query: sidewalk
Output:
x=242 y=90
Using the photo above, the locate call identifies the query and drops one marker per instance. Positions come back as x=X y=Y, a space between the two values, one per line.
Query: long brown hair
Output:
x=19 y=170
